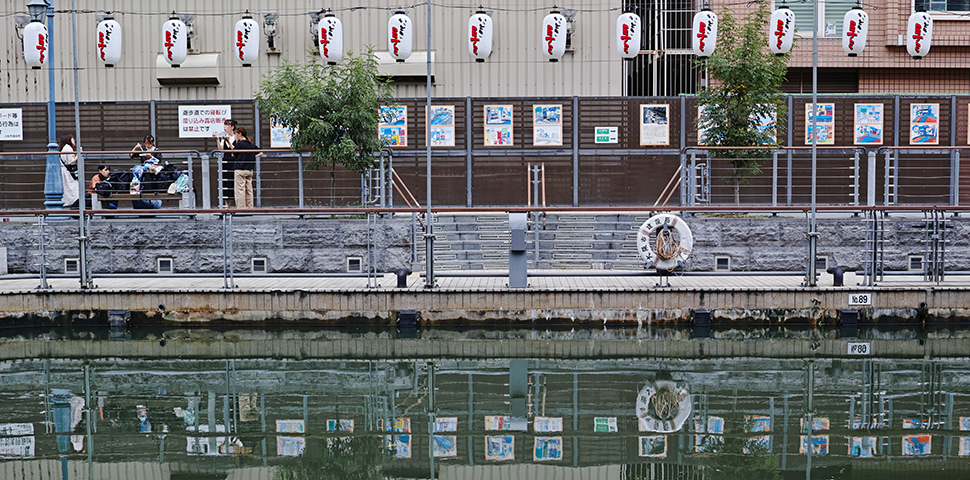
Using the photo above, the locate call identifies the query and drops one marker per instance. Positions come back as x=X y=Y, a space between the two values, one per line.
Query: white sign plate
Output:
x=859 y=348
x=860 y=298
x=11 y=124
x=200 y=121
x=607 y=135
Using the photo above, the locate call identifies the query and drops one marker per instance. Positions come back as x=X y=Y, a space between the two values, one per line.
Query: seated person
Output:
x=103 y=172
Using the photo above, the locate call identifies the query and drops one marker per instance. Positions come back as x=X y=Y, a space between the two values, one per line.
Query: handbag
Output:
x=71 y=168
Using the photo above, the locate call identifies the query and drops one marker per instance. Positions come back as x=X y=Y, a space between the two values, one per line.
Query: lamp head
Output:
x=38 y=8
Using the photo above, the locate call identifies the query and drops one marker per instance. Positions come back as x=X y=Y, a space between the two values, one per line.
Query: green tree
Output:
x=333 y=109
x=744 y=92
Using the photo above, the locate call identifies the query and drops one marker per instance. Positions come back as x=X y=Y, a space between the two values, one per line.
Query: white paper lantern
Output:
x=480 y=36
x=35 y=44
x=108 y=42
x=919 y=34
x=331 y=37
x=781 y=30
x=554 y=36
x=399 y=36
x=855 y=29
x=175 y=41
x=704 y=34
x=247 y=41
x=628 y=31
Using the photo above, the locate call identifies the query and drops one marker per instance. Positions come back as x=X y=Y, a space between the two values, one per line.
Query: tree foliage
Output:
x=744 y=91
x=333 y=109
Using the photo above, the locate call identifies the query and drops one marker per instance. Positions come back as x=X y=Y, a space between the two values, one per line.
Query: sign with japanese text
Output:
x=11 y=124
x=199 y=121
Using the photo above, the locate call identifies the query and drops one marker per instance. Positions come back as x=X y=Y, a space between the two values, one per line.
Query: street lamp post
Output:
x=53 y=184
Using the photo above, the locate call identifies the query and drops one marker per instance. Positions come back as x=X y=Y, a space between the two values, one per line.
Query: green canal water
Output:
x=640 y=418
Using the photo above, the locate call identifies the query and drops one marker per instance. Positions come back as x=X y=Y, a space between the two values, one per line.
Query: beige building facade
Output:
x=516 y=67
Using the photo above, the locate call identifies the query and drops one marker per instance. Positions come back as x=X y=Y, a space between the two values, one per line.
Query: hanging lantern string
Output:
x=415 y=6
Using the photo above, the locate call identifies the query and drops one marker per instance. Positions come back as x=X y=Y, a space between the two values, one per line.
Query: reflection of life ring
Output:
x=664 y=241
x=663 y=406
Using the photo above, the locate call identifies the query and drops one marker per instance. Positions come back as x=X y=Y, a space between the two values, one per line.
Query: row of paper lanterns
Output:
x=479 y=37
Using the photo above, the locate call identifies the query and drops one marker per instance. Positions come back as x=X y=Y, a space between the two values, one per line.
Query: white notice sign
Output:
x=11 y=124
x=859 y=348
x=199 y=121
x=607 y=135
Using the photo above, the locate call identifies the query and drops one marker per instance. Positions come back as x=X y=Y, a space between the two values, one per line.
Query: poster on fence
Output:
x=200 y=121
x=392 y=126
x=441 y=128
x=654 y=125
x=546 y=125
x=868 y=124
x=924 y=124
x=702 y=125
x=11 y=124
x=279 y=136
x=765 y=123
x=498 y=125
x=824 y=123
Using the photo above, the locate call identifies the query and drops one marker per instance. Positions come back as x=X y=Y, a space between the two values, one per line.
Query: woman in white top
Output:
x=69 y=170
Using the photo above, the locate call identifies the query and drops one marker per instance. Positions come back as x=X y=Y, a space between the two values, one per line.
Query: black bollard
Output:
x=402 y=277
x=837 y=275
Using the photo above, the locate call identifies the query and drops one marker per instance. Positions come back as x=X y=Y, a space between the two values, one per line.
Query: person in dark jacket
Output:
x=244 y=165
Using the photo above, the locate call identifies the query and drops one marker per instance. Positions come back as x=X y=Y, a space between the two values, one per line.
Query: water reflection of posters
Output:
x=820 y=444
x=868 y=124
x=917 y=444
x=548 y=448
x=445 y=424
x=497 y=422
x=709 y=443
x=340 y=425
x=604 y=424
x=18 y=440
x=441 y=128
x=279 y=136
x=965 y=424
x=825 y=123
x=653 y=446
x=290 y=426
x=290 y=446
x=757 y=423
x=547 y=424
x=924 y=126
x=500 y=447
x=498 y=125
x=757 y=445
x=862 y=447
x=965 y=446
x=911 y=423
x=402 y=443
x=445 y=445
x=654 y=125
x=818 y=424
x=547 y=125
x=392 y=126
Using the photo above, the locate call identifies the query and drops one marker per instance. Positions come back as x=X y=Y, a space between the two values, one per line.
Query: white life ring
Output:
x=677 y=407
x=678 y=241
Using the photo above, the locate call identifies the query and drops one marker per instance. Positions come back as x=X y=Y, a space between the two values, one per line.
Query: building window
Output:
x=915 y=263
x=72 y=265
x=831 y=13
x=722 y=263
x=942 y=6
x=355 y=264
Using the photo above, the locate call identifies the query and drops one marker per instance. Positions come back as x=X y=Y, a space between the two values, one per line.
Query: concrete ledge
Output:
x=362 y=348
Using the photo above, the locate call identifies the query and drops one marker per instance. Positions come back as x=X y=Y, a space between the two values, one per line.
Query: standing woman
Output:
x=69 y=170
x=244 y=165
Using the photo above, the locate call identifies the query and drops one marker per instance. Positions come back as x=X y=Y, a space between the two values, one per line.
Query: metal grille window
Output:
x=947 y=6
x=830 y=12
x=665 y=66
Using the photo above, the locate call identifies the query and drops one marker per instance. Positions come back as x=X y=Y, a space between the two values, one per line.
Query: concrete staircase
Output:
x=560 y=241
